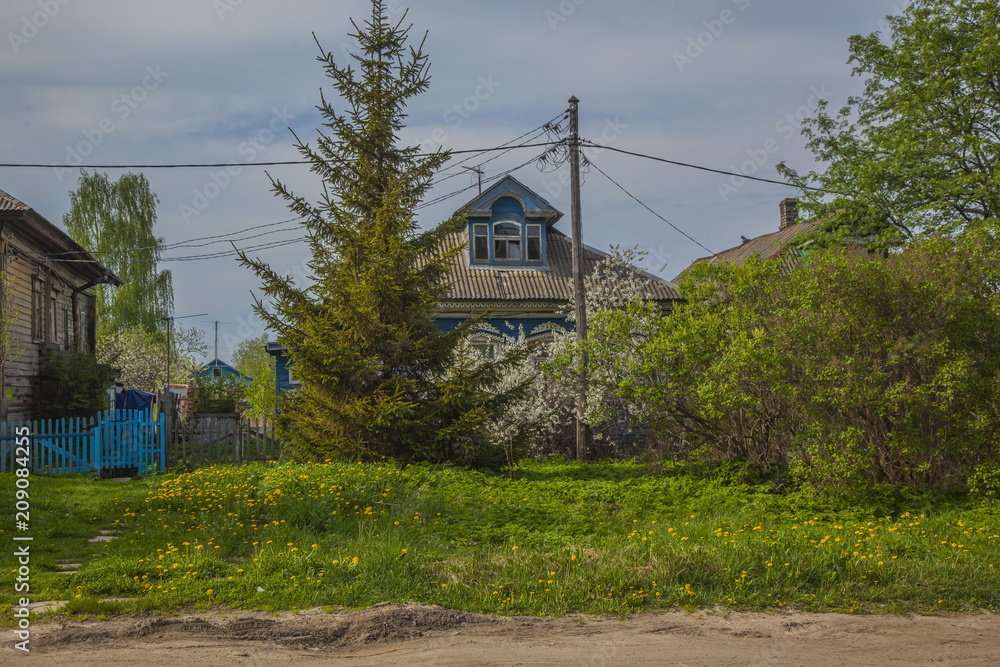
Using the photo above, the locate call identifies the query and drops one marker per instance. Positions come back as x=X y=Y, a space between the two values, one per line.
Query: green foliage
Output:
x=71 y=384
x=917 y=152
x=556 y=539
x=115 y=221
x=854 y=370
x=372 y=364
x=251 y=359
x=218 y=394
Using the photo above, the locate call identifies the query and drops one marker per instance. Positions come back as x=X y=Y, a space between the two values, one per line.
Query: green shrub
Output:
x=71 y=384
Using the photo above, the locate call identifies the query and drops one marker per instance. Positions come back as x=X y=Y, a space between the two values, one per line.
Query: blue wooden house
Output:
x=219 y=369
x=513 y=264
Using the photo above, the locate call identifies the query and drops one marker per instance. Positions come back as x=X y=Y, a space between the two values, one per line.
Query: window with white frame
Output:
x=507 y=242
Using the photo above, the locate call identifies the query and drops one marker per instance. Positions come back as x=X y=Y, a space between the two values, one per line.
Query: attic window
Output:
x=507 y=242
x=507 y=239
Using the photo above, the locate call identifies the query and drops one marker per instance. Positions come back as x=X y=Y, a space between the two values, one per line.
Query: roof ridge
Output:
x=9 y=202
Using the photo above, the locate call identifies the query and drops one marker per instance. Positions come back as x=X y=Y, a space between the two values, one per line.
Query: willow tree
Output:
x=377 y=376
x=114 y=221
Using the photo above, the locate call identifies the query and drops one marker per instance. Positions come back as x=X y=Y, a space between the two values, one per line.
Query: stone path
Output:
x=67 y=566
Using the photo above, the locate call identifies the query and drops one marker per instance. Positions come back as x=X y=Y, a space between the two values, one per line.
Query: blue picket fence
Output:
x=113 y=442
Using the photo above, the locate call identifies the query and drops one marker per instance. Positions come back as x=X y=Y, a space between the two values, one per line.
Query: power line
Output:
x=187 y=258
x=488 y=180
x=678 y=229
x=590 y=144
x=541 y=129
x=189 y=243
x=236 y=164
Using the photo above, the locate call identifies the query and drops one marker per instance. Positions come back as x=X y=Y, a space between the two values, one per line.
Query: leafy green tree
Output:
x=917 y=152
x=377 y=375
x=114 y=220
x=251 y=359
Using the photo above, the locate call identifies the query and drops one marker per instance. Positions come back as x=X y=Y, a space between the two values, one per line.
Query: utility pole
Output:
x=216 y=339
x=170 y=327
x=578 y=293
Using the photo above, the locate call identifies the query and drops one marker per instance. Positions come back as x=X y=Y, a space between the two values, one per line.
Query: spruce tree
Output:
x=377 y=376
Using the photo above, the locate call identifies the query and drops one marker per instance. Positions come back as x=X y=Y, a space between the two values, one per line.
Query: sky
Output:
x=718 y=83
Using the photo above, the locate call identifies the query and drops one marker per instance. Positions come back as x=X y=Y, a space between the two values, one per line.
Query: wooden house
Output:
x=515 y=265
x=48 y=299
x=784 y=245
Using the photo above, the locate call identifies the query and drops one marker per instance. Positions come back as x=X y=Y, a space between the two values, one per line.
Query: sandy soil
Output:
x=414 y=634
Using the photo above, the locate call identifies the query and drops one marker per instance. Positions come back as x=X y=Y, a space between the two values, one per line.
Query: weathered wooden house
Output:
x=515 y=265
x=48 y=299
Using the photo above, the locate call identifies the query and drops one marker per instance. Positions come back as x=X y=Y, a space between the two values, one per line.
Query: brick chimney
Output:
x=789 y=212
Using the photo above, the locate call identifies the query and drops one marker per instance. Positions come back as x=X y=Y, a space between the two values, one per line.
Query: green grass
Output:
x=605 y=538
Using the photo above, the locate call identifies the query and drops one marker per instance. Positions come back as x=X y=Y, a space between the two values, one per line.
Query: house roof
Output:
x=470 y=284
x=767 y=246
x=32 y=224
x=482 y=286
x=218 y=363
x=535 y=208
x=9 y=203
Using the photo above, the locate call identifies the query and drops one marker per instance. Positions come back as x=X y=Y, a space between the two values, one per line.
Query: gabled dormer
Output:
x=508 y=227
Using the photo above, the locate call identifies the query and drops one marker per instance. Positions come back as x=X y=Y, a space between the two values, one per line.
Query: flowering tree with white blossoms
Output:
x=541 y=421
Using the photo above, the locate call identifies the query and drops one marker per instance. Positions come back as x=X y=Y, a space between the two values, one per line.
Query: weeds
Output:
x=560 y=538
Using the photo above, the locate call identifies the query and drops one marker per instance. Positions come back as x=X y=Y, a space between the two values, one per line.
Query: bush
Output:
x=852 y=369
x=71 y=384
x=214 y=394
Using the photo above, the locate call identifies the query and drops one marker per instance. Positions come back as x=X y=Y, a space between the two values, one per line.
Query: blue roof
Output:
x=534 y=206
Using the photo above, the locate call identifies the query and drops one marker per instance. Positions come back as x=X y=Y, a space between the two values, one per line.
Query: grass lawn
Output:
x=559 y=538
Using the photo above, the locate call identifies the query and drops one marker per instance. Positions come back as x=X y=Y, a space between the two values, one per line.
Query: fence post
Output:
x=237 y=437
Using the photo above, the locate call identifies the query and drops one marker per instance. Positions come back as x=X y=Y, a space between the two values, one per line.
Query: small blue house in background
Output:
x=514 y=264
x=217 y=368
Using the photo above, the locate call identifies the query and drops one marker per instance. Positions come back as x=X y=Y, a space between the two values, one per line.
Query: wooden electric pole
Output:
x=578 y=293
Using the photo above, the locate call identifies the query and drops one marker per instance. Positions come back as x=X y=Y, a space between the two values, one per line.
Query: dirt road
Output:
x=414 y=634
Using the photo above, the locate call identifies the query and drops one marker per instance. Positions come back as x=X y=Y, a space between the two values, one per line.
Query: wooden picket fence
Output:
x=116 y=442
x=204 y=440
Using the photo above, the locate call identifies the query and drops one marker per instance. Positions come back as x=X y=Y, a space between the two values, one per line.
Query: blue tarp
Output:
x=134 y=399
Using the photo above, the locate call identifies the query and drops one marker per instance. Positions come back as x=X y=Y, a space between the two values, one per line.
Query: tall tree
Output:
x=917 y=152
x=377 y=375
x=114 y=220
